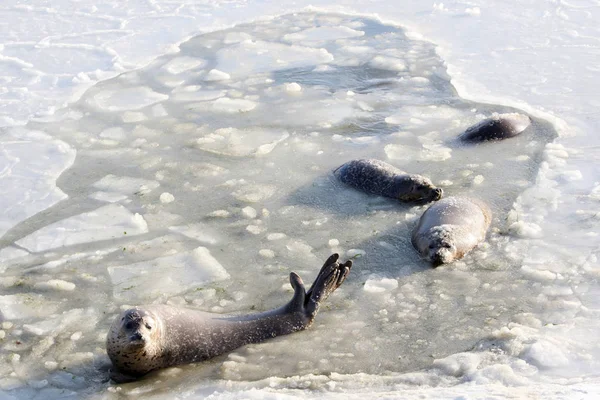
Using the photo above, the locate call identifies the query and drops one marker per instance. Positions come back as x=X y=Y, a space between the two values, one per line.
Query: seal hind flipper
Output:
x=297 y=302
x=331 y=276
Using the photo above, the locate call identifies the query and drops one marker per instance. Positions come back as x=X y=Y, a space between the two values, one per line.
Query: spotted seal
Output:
x=146 y=338
x=497 y=127
x=450 y=228
x=378 y=177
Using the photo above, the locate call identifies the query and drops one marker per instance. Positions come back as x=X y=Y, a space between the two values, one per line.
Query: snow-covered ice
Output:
x=175 y=139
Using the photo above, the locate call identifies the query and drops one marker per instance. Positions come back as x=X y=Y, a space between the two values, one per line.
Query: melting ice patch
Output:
x=241 y=129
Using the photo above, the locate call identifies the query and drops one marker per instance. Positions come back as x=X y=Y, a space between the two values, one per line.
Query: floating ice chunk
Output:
x=216 y=75
x=473 y=11
x=388 y=63
x=355 y=253
x=182 y=64
x=126 y=99
x=545 y=355
x=255 y=229
x=322 y=34
x=166 y=276
x=415 y=116
x=266 y=253
x=525 y=229
x=237 y=142
x=292 y=87
x=65 y=321
x=380 y=285
x=478 y=179
x=199 y=232
x=236 y=37
x=219 y=214
x=115 y=133
x=133 y=116
x=55 y=284
x=166 y=198
x=254 y=193
x=9 y=253
x=108 y=197
x=126 y=185
x=198 y=95
x=299 y=247
x=333 y=242
x=227 y=105
x=251 y=57
x=458 y=364
x=27 y=305
x=159 y=111
x=28 y=182
x=108 y=222
x=276 y=236
x=249 y=212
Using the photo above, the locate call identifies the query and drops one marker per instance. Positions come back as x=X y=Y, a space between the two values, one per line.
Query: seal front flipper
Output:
x=331 y=276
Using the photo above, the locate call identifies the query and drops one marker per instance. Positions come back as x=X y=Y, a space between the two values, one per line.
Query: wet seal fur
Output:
x=497 y=127
x=378 y=177
x=146 y=338
x=450 y=228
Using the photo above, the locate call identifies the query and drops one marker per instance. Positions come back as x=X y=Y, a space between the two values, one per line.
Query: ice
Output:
x=144 y=281
x=183 y=64
x=380 y=285
x=199 y=232
x=239 y=59
x=127 y=99
x=28 y=184
x=235 y=142
x=115 y=188
x=109 y=222
x=314 y=36
x=25 y=306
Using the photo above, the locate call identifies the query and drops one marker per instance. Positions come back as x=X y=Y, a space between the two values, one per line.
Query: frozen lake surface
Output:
x=204 y=178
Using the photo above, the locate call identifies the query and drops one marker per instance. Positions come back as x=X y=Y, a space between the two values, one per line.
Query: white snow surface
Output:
x=106 y=101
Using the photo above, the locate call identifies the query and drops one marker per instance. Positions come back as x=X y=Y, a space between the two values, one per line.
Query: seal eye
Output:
x=148 y=326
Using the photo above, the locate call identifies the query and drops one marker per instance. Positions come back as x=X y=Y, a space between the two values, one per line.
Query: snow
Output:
x=240 y=128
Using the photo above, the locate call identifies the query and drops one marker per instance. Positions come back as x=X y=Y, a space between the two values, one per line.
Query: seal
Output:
x=450 y=228
x=383 y=179
x=497 y=127
x=146 y=338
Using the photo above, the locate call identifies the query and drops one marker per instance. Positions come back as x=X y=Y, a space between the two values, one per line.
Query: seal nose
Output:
x=437 y=193
x=136 y=336
x=437 y=259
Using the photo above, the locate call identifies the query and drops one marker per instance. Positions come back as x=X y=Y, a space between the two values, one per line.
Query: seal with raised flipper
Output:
x=378 y=177
x=450 y=228
x=497 y=127
x=146 y=338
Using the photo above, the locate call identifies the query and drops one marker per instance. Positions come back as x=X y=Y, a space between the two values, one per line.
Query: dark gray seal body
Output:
x=383 y=179
x=497 y=127
x=150 y=337
x=450 y=228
